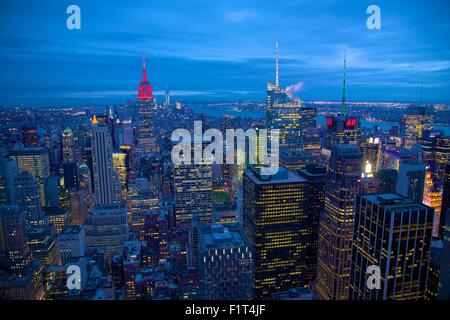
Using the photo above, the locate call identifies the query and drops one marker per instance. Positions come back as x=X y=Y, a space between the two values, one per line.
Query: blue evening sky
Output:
x=222 y=50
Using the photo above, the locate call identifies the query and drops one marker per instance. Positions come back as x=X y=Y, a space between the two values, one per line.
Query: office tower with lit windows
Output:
x=68 y=154
x=275 y=219
x=43 y=244
x=284 y=113
x=225 y=263
x=432 y=198
x=121 y=165
x=316 y=177
x=393 y=233
x=26 y=195
x=107 y=184
x=22 y=277
x=107 y=228
x=416 y=120
x=336 y=223
x=411 y=180
x=371 y=155
x=445 y=201
x=8 y=172
x=444 y=269
x=147 y=143
x=442 y=157
x=36 y=161
x=15 y=254
x=142 y=198
x=107 y=224
x=193 y=193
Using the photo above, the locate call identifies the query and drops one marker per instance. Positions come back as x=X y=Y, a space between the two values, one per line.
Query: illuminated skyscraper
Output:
x=411 y=180
x=193 y=193
x=445 y=202
x=444 y=270
x=146 y=113
x=371 y=155
x=225 y=263
x=343 y=128
x=316 y=176
x=394 y=234
x=36 y=161
x=106 y=181
x=416 y=120
x=107 y=228
x=275 y=219
x=284 y=113
x=68 y=146
x=121 y=165
x=15 y=255
x=26 y=196
x=336 y=224
x=432 y=198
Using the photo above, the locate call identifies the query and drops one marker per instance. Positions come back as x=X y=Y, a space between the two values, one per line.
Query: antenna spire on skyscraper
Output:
x=144 y=70
x=344 y=103
x=277 y=82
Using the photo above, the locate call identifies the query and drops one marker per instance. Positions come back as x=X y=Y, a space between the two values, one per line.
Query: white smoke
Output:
x=293 y=88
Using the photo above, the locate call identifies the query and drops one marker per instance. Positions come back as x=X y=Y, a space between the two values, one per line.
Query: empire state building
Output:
x=146 y=114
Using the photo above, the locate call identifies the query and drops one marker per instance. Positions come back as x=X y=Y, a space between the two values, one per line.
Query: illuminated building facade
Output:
x=68 y=154
x=316 y=177
x=433 y=199
x=342 y=129
x=225 y=263
x=36 y=161
x=445 y=201
x=371 y=155
x=26 y=195
x=193 y=193
x=416 y=120
x=146 y=114
x=106 y=181
x=411 y=180
x=107 y=228
x=275 y=219
x=336 y=224
x=393 y=233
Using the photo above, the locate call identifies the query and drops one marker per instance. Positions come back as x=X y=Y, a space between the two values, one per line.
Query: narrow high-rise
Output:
x=146 y=113
x=336 y=224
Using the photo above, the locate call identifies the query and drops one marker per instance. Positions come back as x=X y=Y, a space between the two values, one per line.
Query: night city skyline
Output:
x=212 y=159
x=206 y=51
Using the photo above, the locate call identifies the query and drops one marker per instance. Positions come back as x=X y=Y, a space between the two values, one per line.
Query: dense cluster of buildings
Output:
x=100 y=191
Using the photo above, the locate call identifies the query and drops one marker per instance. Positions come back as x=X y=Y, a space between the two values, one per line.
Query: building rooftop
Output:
x=394 y=201
x=222 y=236
x=282 y=176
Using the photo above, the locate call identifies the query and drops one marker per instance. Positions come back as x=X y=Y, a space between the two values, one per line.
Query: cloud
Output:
x=240 y=16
